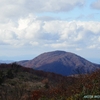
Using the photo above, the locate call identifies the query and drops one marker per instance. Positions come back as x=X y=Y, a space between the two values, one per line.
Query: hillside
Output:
x=20 y=83
x=60 y=62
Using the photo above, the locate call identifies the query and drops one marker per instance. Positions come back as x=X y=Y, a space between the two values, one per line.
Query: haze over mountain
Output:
x=6 y=61
x=60 y=62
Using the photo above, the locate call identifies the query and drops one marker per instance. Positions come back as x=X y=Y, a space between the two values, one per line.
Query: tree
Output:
x=2 y=77
x=10 y=74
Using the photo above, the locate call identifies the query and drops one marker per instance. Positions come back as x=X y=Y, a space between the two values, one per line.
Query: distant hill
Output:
x=6 y=61
x=61 y=62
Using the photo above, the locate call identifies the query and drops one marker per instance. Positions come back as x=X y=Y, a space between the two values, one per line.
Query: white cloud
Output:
x=78 y=49
x=62 y=45
x=55 y=33
x=96 y=4
x=10 y=9
x=92 y=46
x=21 y=31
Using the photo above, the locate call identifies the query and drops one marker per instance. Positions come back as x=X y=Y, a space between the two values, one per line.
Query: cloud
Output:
x=96 y=4
x=41 y=25
x=21 y=8
x=31 y=31
x=92 y=46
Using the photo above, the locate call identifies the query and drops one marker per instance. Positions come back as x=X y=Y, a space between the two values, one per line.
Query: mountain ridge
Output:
x=60 y=62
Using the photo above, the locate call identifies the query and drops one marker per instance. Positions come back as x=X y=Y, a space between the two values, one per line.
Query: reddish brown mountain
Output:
x=60 y=62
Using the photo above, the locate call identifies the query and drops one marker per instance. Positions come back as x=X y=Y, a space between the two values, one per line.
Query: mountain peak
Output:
x=55 y=53
x=61 y=62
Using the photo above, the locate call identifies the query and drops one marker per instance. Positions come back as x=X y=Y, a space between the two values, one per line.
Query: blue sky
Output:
x=31 y=27
x=85 y=13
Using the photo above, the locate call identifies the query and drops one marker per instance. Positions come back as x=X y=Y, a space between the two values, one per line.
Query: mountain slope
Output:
x=60 y=62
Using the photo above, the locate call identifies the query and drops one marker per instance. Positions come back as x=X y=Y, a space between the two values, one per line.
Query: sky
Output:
x=31 y=27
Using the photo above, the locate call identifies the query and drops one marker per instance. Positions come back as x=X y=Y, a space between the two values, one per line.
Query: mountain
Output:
x=60 y=62
x=6 y=61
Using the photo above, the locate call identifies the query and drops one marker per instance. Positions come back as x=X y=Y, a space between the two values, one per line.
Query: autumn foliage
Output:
x=20 y=83
x=88 y=84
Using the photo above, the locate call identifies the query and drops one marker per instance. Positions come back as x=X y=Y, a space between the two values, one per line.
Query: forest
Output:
x=21 y=83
